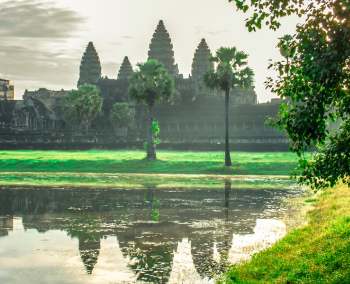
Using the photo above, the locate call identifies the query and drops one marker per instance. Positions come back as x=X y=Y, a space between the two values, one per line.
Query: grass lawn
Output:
x=316 y=253
x=167 y=162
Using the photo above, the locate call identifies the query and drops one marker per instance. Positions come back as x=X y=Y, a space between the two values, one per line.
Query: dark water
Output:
x=61 y=235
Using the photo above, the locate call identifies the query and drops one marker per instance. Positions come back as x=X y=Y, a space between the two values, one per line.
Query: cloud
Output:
x=206 y=30
x=127 y=37
x=116 y=43
x=32 y=66
x=29 y=19
x=34 y=48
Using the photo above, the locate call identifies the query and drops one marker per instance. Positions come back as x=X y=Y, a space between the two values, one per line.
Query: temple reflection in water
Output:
x=114 y=233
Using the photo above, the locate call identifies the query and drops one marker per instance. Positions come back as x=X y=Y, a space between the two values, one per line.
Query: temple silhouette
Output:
x=195 y=113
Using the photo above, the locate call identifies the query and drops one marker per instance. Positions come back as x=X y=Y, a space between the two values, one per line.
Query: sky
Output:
x=42 y=42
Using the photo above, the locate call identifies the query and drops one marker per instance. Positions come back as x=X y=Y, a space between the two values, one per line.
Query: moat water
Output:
x=174 y=235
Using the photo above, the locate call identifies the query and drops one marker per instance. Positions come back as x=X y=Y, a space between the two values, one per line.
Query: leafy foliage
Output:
x=316 y=84
x=286 y=46
x=121 y=116
x=153 y=130
x=154 y=213
x=156 y=202
x=81 y=106
x=270 y=11
x=156 y=141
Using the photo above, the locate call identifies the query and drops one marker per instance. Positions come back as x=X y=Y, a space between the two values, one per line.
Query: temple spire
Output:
x=125 y=69
x=161 y=49
x=90 y=66
x=89 y=253
x=201 y=61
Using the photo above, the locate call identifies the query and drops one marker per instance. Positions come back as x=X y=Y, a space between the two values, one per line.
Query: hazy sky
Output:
x=42 y=42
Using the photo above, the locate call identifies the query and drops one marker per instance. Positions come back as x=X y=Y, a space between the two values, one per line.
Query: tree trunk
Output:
x=78 y=130
x=151 y=154
x=227 y=146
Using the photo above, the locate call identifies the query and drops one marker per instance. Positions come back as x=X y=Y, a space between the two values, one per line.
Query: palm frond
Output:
x=150 y=83
x=227 y=73
x=239 y=59
x=211 y=79
x=213 y=59
x=226 y=54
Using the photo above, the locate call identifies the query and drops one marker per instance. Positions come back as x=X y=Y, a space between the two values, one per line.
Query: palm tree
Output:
x=149 y=85
x=228 y=74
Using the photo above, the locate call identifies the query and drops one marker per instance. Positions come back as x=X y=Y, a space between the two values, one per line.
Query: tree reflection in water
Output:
x=217 y=263
x=227 y=198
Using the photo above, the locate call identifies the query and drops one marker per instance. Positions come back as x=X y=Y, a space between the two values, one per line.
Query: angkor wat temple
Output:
x=195 y=114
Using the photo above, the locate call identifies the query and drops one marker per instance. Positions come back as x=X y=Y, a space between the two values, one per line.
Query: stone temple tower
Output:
x=161 y=49
x=200 y=62
x=200 y=65
x=125 y=69
x=90 y=66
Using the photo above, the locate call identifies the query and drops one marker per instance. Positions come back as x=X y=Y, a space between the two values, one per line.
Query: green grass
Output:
x=316 y=253
x=135 y=162
x=99 y=180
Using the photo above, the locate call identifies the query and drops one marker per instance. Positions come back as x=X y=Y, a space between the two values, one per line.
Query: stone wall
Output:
x=7 y=91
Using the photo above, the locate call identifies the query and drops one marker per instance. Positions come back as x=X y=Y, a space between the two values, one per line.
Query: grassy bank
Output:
x=316 y=253
x=98 y=180
x=135 y=162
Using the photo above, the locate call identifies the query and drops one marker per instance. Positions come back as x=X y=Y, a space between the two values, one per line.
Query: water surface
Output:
x=158 y=235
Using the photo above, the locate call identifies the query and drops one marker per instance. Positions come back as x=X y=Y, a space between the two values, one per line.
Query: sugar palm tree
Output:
x=149 y=85
x=229 y=74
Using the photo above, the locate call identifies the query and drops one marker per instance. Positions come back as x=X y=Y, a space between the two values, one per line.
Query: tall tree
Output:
x=121 y=116
x=228 y=75
x=316 y=81
x=149 y=85
x=81 y=106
